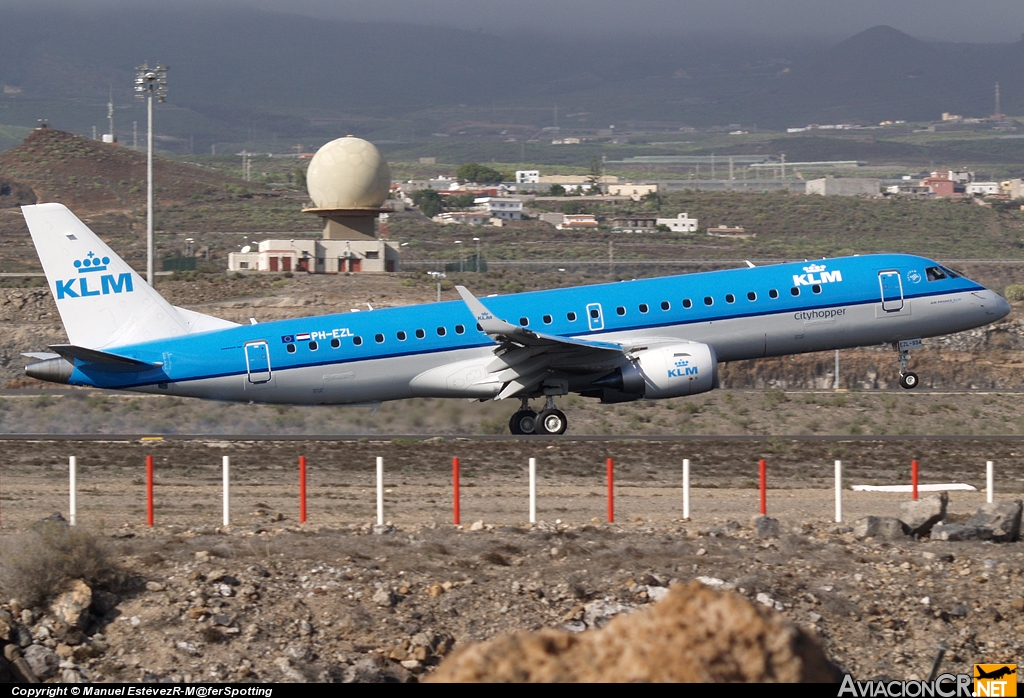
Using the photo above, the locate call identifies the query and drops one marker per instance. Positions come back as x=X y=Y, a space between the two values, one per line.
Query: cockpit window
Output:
x=934 y=273
x=952 y=274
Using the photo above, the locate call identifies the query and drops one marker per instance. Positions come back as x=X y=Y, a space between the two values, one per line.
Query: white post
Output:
x=533 y=490
x=839 y=491
x=73 y=489
x=989 y=482
x=686 y=488
x=227 y=496
x=380 y=491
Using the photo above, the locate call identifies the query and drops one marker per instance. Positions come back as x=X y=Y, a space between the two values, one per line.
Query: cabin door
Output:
x=892 y=291
x=595 y=318
x=257 y=361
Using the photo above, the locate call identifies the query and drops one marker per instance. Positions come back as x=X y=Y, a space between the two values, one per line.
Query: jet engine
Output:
x=675 y=370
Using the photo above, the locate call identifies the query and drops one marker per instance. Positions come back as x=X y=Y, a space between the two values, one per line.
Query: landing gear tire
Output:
x=523 y=422
x=551 y=422
x=909 y=380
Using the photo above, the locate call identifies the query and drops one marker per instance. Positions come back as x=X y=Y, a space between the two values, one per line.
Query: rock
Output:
x=765 y=600
x=223 y=620
x=64 y=651
x=766 y=527
x=27 y=616
x=11 y=652
x=72 y=606
x=384 y=597
x=6 y=625
x=655 y=593
x=21 y=636
x=880 y=527
x=42 y=660
x=368 y=670
x=922 y=514
x=596 y=614
x=957 y=532
x=1017 y=604
x=715 y=583
x=476 y=526
x=382 y=529
x=291 y=674
x=70 y=676
x=1001 y=518
x=435 y=590
x=695 y=634
x=154 y=586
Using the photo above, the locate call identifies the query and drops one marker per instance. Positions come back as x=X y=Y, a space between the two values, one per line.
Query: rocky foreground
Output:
x=275 y=602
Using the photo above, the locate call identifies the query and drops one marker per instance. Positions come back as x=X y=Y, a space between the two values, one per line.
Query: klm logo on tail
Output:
x=809 y=279
x=108 y=283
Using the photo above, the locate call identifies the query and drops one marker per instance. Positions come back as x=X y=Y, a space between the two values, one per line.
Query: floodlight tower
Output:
x=150 y=82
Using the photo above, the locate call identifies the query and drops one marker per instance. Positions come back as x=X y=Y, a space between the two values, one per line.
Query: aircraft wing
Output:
x=525 y=358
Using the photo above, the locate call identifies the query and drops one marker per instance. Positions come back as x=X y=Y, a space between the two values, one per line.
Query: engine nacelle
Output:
x=676 y=370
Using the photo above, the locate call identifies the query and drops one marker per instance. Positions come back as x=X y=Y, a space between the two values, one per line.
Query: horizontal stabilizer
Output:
x=106 y=360
x=40 y=355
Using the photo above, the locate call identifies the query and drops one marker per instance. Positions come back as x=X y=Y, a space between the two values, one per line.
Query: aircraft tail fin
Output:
x=102 y=301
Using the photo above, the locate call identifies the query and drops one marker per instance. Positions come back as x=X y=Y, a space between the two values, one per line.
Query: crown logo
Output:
x=814 y=268
x=91 y=263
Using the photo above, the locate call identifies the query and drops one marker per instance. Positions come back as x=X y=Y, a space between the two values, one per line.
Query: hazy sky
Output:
x=955 y=20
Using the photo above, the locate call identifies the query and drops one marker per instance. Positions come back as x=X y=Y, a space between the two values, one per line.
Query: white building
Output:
x=633 y=191
x=682 y=223
x=578 y=221
x=982 y=189
x=462 y=217
x=506 y=208
x=318 y=256
x=527 y=176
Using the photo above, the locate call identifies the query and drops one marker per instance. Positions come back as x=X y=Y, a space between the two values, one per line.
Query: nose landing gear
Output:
x=550 y=421
x=908 y=379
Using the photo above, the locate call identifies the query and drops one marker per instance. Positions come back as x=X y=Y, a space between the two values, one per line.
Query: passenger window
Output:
x=571 y=317
x=335 y=343
x=934 y=274
x=401 y=336
x=816 y=288
x=595 y=313
x=479 y=327
x=313 y=346
x=620 y=310
x=751 y=296
x=547 y=319
x=644 y=308
x=379 y=338
x=729 y=298
x=708 y=300
x=357 y=340
x=795 y=290
x=420 y=334
x=665 y=305
x=687 y=303
x=441 y=332
x=773 y=293
x=290 y=348
x=460 y=329
x=524 y=321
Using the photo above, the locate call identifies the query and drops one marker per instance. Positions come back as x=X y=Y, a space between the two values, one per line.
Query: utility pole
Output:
x=147 y=84
x=611 y=258
x=783 y=165
x=135 y=135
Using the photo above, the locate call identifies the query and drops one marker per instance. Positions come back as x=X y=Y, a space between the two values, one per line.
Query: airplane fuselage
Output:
x=437 y=350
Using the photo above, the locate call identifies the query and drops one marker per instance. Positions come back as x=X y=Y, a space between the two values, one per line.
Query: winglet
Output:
x=490 y=324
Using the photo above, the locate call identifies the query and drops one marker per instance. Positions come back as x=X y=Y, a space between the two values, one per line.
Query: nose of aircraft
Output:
x=1000 y=308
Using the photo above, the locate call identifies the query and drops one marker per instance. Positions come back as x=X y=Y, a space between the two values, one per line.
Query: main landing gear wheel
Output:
x=551 y=421
x=523 y=422
x=909 y=380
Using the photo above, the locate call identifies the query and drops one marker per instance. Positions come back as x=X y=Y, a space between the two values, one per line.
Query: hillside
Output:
x=106 y=186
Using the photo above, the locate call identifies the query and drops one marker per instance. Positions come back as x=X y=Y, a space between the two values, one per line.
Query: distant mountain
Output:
x=243 y=77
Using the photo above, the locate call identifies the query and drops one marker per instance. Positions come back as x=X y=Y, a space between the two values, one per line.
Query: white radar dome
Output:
x=348 y=173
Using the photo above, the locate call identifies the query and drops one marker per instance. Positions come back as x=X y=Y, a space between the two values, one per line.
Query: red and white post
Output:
x=990 y=482
x=455 y=491
x=913 y=480
x=610 y=467
x=762 y=471
x=149 y=491
x=302 y=489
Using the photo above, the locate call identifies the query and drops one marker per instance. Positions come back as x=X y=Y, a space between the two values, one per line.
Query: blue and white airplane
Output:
x=643 y=339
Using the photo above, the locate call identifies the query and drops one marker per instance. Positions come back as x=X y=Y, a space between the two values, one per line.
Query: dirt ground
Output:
x=333 y=600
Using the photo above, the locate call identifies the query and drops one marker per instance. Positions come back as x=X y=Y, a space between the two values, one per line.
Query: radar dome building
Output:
x=348 y=180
